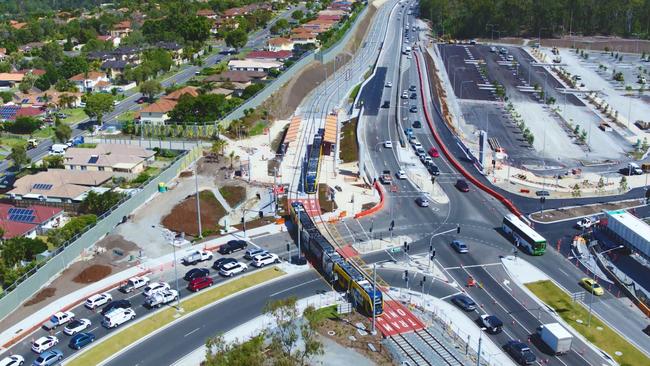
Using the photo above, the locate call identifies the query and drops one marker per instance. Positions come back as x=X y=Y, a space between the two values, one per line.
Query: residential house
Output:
x=101 y=56
x=269 y=55
x=319 y=26
x=176 y=94
x=31 y=46
x=253 y=65
x=121 y=29
x=29 y=112
x=243 y=77
x=330 y=12
x=10 y=80
x=86 y=82
x=29 y=221
x=114 y=68
x=156 y=113
x=35 y=72
x=175 y=49
x=280 y=44
x=131 y=54
x=330 y=17
x=208 y=13
x=303 y=36
x=119 y=159
x=222 y=91
x=58 y=185
x=41 y=98
x=234 y=12
x=341 y=5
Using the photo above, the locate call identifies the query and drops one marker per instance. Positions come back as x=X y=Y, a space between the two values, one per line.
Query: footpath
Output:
x=154 y=267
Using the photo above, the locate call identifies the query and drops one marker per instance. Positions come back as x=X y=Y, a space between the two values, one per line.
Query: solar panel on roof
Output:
x=22 y=218
x=20 y=211
x=25 y=101
x=42 y=186
x=93 y=159
x=8 y=111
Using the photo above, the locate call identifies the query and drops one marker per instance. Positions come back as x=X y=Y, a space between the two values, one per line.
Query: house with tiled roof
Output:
x=86 y=82
x=269 y=55
x=119 y=159
x=176 y=94
x=121 y=29
x=303 y=36
x=244 y=78
x=280 y=44
x=35 y=72
x=10 y=79
x=234 y=12
x=157 y=113
x=58 y=186
x=42 y=98
x=114 y=68
x=29 y=221
x=208 y=13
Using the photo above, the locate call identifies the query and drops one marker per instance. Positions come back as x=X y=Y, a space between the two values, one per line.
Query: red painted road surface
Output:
x=311 y=205
x=347 y=252
x=397 y=319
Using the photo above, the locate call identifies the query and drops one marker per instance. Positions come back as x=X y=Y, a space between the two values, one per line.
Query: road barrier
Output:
x=506 y=202
x=378 y=207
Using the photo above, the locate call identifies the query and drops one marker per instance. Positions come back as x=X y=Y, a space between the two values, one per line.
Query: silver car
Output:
x=422 y=202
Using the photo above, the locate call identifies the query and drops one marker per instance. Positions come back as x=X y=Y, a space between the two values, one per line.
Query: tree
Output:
x=97 y=204
x=236 y=38
x=62 y=132
x=21 y=248
x=297 y=15
x=74 y=65
x=27 y=83
x=218 y=147
x=23 y=125
x=97 y=105
x=622 y=185
x=53 y=162
x=575 y=192
x=222 y=353
x=150 y=88
x=600 y=186
x=67 y=100
x=65 y=85
x=19 y=156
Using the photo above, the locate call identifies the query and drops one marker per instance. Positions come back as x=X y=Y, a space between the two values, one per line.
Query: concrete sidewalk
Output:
x=156 y=267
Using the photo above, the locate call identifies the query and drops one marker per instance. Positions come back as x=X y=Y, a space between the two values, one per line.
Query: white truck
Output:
x=196 y=257
x=58 y=149
x=134 y=283
x=58 y=319
x=556 y=337
x=118 y=316
x=161 y=298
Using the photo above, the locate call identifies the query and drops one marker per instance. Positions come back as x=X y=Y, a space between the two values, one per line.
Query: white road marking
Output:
x=191 y=332
x=293 y=287
x=450 y=295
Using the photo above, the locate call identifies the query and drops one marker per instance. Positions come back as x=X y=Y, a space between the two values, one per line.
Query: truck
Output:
x=386 y=177
x=75 y=141
x=555 y=337
x=196 y=257
x=32 y=144
x=161 y=298
x=58 y=149
x=134 y=283
x=58 y=319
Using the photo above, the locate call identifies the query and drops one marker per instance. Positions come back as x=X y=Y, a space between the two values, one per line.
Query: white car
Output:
x=389 y=84
x=44 y=343
x=76 y=326
x=388 y=144
x=262 y=260
x=14 y=360
x=231 y=269
x=401 y=174
x=98 y=300
x=586 y=223
x=155 y=288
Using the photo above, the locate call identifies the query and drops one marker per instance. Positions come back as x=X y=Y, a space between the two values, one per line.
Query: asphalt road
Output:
x=187 y=71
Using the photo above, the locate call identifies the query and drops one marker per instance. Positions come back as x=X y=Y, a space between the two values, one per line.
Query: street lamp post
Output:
x=591 y=299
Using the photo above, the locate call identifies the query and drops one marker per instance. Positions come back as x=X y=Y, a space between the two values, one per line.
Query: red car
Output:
x=198 y=284
x=434 y=152
x=141 y=100
x=462 y=185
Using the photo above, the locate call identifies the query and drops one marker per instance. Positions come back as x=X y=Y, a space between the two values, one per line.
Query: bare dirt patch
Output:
x=183 y=216
x=92 y=274
x=234 y=195
x=575 y=212
x=112 y=242
x=42 y=295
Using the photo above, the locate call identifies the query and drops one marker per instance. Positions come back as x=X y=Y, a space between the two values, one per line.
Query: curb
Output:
x=172 y=322
x=378 y=207
x=506 y=202
x=583 y=216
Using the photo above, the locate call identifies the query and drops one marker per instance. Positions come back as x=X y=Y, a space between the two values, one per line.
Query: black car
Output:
x=520 y=352
x=462 y=185
x=219 y=263
x=464 y=302
x=417 y=124
x=491 y=323
x=433 y=169
x=413 y=109
x=117 y=304
x=386 y=104
x=233 y=246
x=196 y=273
x=412 y=88
x=413 y=96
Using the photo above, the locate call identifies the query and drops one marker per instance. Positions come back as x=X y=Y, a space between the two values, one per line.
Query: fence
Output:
x=32 y=281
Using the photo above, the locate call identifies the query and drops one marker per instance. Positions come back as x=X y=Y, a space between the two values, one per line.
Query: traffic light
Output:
x=405 y=246
x=288 y=247
x=433 y=254
x=261 y=213
x=392 y=224
x=458 y=229
x=406 y=274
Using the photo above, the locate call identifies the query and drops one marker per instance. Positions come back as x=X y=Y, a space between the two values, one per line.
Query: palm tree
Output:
x=232 y=158
x=66 y=100
x=220 y=130
x=218 y=148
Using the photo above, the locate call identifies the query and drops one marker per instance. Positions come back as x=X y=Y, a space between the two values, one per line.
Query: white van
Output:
x=117 y=317
x=58 y=149
x=634 y=169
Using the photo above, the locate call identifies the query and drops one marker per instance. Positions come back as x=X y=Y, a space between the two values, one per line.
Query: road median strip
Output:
x=118 y=341
x=576 y=315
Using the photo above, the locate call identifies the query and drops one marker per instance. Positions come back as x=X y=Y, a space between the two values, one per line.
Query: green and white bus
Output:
x=524 y=235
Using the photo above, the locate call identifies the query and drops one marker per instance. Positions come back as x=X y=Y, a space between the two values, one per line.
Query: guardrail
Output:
x=34 y=280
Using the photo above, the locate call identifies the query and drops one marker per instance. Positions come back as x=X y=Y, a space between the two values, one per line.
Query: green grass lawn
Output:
x=119 y=340
x=598 y=333
x=258 y=128
x=126 y=116
x=75 y=115
x=349 y=147
x=234 y=195
x=9 y=142
x=44 y=133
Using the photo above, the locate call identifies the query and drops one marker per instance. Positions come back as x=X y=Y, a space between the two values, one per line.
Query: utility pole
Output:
x=198 y=203
x=374 y=291
x=478 y=354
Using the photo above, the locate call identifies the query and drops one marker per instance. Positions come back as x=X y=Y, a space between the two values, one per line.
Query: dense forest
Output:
x=548 y=18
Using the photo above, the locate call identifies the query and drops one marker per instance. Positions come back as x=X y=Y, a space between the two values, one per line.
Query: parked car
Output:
x=408 y=131
x=49 y=358
x=413 y=96
x=155 y=287
x=141 y=100
x=161 y=298
x=433 y=152
x=200 y=283
x=386 y=104
x=460 y=246
x=44 y=343
x=134 y=283
x=433 y=169
x=464 y=302
x=117 y=317
x=422 y=201
x=57 y=319
x=520 y=352
x=233 y=246
x=264 y=259
x=413 y=109
x=592 y=286
x=117 y=304
x=232 y=269
x=417 y=124
x=401 y=174
x=462 y=185
x=98 y=300
x=405 y=95
x=427 y=160
x=13 y=360
x=196 y=257
x=81 y=340
x=222 y=261
x=76 y=326
x=491 y=323
x=250 y=253
x=195 y=273
x=412 y=88
x=389 y=84
x=388 y=144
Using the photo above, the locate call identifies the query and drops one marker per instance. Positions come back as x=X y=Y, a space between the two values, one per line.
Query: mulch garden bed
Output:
x=93 y=273
x=182 y=218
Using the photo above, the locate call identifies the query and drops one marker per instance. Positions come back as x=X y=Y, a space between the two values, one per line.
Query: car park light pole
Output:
x=591 y=299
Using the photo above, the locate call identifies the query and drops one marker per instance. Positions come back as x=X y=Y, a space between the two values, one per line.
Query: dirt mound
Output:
x=40 y=296
x=182 y=218
x=93 y=273
x=111 y=242
x=186 y=174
